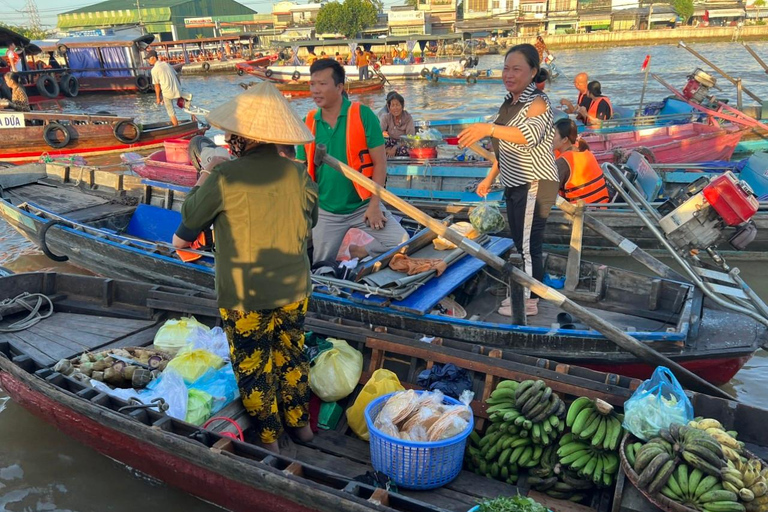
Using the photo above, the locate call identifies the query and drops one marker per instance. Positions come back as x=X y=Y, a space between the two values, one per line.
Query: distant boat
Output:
x=299 y=89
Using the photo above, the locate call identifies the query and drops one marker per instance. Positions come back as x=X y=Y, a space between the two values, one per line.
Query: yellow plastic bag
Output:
x=336 y=371
x=381 y=383
x=192 y=363
x=174 y=334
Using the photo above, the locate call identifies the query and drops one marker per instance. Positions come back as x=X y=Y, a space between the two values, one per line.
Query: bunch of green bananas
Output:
x=596 y=422
x=694 y=488
x=484 y=457
x=698 y=448
x=747 y=479
x=589 y=462
x=531 y=407
x=565 y=486
x=732 y=449
x=654 y=462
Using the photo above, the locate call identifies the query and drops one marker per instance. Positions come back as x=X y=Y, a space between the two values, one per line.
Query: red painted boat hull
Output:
x=718 y=370
x=693 y=142
x=157 y=168
x=148 y=458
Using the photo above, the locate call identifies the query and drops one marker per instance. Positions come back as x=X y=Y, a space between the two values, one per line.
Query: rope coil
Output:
x=34 y=315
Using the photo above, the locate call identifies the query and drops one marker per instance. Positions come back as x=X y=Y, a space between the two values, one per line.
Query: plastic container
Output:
x=416 y=465
x=422 y=152
x=176 y=151
x=453 y=141
x=756 y=175
x=733 y=204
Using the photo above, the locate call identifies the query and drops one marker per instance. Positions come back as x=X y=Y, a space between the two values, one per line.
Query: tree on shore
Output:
x=758 y=4
x=684 y=9
x=28 y=32
x=349 y=18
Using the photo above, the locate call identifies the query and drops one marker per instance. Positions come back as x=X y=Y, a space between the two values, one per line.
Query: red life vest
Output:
x=596 y=103
x=586 y=181
x=358 y=156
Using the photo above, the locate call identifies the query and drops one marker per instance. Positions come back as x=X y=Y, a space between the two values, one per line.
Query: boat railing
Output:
x=52 y=116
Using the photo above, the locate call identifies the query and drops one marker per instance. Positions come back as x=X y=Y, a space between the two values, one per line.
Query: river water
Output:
x=42 y=470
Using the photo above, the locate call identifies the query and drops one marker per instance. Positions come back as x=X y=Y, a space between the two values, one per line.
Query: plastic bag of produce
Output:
x=656 y=404
x=335 y=372
x=464 y=228
x=221 y=384
x=199 y=406
x=213 y=340
x=192 y=363
x=487 y=218
x=175 y=334
x=382 y=382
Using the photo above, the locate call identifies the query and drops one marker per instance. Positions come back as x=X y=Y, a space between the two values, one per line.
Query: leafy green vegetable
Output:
x=511 y=504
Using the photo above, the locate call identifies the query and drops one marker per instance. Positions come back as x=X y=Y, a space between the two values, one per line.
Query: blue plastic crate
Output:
x=414 y=465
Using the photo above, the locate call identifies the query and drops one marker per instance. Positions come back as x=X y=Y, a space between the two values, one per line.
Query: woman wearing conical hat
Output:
x=262 y=206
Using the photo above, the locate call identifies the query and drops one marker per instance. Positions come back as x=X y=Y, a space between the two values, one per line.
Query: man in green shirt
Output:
x=337 y=123
x=262 y=206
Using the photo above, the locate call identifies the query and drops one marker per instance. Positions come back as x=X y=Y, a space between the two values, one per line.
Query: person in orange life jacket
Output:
x=352 y=134
x=580 y=82
x=600 y=108
x=580 y=174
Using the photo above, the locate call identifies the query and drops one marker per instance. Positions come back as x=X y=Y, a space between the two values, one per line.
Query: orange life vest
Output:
x=358 y=156
x=586 y=181
x=596 y=103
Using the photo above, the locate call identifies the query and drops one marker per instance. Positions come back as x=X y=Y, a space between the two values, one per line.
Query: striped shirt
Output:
x=535 y=160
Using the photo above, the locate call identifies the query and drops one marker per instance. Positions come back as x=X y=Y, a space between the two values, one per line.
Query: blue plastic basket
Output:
x=414 y=465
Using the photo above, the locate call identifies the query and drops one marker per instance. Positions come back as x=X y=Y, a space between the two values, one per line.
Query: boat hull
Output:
x=27 y=144
x=391 y=71
x=114 y=259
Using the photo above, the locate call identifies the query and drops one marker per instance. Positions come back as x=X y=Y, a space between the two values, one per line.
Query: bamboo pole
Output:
x=610 y=331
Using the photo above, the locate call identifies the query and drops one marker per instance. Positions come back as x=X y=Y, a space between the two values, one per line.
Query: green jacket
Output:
x=262 y=207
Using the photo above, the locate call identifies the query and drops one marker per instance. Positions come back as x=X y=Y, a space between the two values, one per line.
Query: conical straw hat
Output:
x=261 y=113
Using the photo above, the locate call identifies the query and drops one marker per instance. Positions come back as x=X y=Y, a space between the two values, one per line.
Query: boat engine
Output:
x=696 y=216
x=698 y=86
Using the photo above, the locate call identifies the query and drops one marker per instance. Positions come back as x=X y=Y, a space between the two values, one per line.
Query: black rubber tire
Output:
x=425 y=72
x=47 y=86
x=296 y=75
x=475 y=61
x=196 y=145
x=119 y=135
x=44 y=246
x=54 y=127
x=268 y=73
x=206 y=66
x=142 y=83
x=463 y=61
x=240 y=71
x=69 y=85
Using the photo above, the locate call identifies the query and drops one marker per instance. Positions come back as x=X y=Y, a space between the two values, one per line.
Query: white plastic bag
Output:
x=169 y=386
x=214 y=341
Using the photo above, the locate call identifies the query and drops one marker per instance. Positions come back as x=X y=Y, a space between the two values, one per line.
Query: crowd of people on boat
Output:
x=263 y=223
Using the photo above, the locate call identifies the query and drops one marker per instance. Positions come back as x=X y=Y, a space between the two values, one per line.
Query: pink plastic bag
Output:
x=354 y=236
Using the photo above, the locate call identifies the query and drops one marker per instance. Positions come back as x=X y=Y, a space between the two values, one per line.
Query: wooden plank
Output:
x=23 y=347
x=556 y=505
x=573 y=267
x=22 y=175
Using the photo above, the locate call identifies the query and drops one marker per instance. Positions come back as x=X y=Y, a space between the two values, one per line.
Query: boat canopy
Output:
x=379 y=41
x=9 y=36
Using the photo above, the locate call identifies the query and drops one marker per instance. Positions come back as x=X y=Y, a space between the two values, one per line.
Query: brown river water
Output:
x=41 y=469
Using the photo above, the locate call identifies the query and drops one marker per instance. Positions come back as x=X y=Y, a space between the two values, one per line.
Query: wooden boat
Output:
x=214 y=465
x=157 y=167
x=468 y=77
x=84 y=134
x=109 y=63
x=299 y=89
x=122 y=227
x=211 y=54
x=246 y=66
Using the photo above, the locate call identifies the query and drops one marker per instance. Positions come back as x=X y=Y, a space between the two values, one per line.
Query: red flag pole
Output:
x=647 y=68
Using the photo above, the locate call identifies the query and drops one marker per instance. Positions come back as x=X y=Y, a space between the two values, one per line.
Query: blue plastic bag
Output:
x=220 y=384
x=656 y=404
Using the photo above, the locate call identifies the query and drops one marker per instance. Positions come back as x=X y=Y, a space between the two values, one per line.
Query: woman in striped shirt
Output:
x=522 y=137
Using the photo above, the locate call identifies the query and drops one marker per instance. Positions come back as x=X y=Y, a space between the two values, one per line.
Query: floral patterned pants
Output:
x=267 y=348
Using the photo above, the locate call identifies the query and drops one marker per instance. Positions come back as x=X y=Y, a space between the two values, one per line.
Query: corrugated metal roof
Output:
x=118 y=5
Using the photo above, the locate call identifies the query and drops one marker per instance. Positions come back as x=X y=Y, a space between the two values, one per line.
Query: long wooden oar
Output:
x=619 y=337
x=627 y=246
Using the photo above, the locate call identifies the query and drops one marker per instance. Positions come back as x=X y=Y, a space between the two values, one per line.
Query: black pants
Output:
x=528 y=208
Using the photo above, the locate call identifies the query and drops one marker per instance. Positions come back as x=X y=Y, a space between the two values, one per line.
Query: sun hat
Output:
x=151 y=53
x=261 y=113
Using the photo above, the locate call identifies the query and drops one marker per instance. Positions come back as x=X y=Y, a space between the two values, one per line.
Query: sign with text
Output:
x=11 y=120
x=197 y=21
